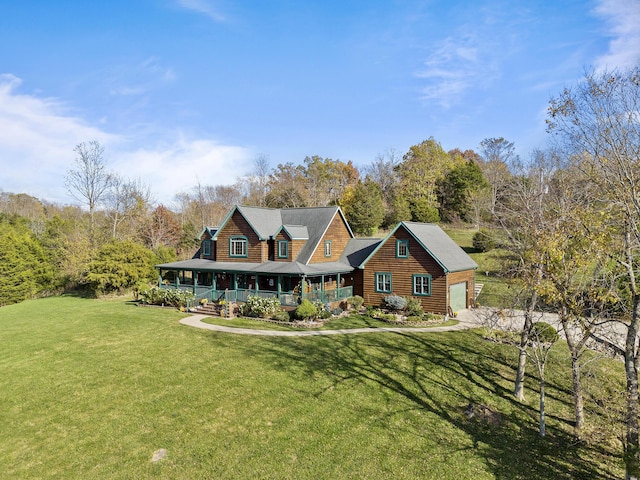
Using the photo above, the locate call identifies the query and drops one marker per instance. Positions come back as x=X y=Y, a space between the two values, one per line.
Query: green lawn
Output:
x=92 y=388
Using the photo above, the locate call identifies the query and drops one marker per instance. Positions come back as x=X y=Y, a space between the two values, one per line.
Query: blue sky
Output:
x=188 y=91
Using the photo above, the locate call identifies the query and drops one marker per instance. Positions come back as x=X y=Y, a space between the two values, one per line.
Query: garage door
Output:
x=458 y=296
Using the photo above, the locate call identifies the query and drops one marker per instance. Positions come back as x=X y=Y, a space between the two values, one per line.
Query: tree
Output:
x=597 y=121
x=541 y=337
x=365 y=211
x=498 y=153
x=383 y=172
x=89 y=181
x=287 y=187
x=456 y=188
x=422 y=167
x=118 y=266
x=25 y=269
x=127 y=203
x=163 y=229
x=520 y=214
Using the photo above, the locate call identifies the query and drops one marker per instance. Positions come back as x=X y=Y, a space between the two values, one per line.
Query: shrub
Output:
x=413 y=307
x=395 y=302
x=263 y=307
x=483 y=240
x=355 y=302
x=306 y=310
x=165 y=296
x=371 y=310
x=414 y=319
x=281 y=316
x=387 y=317
x=543 y=332
x=337 y=311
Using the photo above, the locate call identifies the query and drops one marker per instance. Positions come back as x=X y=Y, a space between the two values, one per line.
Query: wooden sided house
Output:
x=297 y=253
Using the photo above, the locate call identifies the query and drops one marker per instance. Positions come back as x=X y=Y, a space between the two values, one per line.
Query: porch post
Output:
x=322 y=288
x=338 y=293
x=214 y=283
x=257 y=283
x=178 y=278
x=194 y=275
x=159 y=277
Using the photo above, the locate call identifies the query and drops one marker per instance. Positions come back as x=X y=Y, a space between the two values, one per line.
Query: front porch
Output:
x=238 y=287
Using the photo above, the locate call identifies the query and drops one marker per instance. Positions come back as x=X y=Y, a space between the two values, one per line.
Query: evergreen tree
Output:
x=365 y=211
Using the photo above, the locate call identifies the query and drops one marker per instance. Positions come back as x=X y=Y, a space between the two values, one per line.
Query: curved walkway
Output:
x=465 y=321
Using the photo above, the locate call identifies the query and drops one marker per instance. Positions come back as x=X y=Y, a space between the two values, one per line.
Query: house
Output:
x=296 y=253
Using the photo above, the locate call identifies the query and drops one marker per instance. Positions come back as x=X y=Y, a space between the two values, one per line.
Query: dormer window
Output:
x=283 y=249
x=238 y=247
x=206 y=248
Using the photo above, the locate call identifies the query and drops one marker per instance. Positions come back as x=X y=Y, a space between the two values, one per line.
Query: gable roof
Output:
x=308 y=223
x=436 y=243
x=295 y=232
x=317 y=220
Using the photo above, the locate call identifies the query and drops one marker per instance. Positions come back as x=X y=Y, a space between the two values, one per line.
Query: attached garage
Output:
x=458 y=296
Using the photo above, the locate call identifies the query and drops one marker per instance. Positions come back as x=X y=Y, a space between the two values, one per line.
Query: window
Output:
x=206 y=248
x=383 y=282
x=283 y=249
x=327 y=248
x=238 y=247
x=422 y=285
x=402 y=248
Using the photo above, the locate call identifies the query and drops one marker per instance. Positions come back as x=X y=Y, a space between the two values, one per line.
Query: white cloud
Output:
x=38 y=135
x=203 y=6
x=623 y=22
x=178 y=165
x=456 y=65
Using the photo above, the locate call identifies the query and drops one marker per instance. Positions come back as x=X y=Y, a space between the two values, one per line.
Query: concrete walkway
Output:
x=465 y=319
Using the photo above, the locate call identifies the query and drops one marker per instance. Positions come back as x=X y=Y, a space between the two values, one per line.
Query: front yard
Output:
x=94 y=388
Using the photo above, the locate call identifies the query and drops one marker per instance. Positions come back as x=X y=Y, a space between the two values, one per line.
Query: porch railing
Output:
x=241 y=295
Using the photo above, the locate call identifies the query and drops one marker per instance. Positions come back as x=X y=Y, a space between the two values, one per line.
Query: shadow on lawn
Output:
x=412 y=365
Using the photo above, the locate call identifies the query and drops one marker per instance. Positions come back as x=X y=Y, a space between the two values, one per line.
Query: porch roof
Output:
x=265 y=268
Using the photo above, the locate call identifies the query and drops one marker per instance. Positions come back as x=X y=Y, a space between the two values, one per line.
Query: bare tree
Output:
x=89 y=181
x=126 y=200
x=597 y=120
x=498 y=154
x=540 y=339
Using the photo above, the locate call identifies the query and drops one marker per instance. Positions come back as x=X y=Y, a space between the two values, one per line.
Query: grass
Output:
x=336 y=323
x=92 y=388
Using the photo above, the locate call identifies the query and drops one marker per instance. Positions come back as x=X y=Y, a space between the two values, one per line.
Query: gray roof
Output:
x=441 y=246
x=267 y=222
x=267 y=268
x=297 y=232
x=437 y=243
x=358 y=249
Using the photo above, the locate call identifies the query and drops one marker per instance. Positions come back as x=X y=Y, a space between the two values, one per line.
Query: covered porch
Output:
x=235 y=282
